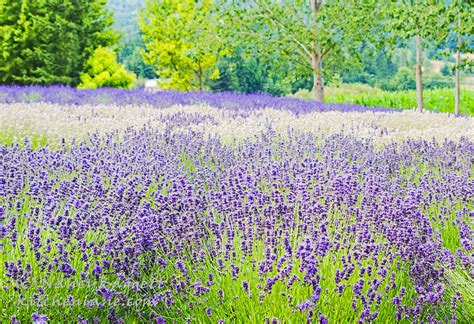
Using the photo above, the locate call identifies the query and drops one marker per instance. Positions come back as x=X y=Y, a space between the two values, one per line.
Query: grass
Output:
x=11 y=137
x=438 y=100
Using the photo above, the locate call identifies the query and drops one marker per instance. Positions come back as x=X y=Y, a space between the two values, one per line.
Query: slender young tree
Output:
x=460 y=26
x=418 y=19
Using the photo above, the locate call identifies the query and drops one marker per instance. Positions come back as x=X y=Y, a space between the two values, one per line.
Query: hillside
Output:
x=125 y=16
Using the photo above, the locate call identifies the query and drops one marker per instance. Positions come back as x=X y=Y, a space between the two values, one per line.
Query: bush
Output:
x=437 y=82
x=303 y=94
x=104 y=71
x=404 y=79
x=445 y=70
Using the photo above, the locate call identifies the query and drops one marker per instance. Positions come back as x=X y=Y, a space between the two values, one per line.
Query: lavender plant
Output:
x=172 y=224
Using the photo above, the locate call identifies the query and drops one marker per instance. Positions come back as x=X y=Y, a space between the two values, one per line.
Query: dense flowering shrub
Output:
x=103 y=70
x=46 y=123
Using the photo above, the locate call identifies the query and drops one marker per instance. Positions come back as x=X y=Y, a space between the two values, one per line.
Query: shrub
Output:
x=104 y=71
x=403 y=80
x=445 y=70
x=437 y=82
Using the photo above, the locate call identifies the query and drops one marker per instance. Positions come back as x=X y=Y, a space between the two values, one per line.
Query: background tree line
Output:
x=271 y=46
x=286 y=45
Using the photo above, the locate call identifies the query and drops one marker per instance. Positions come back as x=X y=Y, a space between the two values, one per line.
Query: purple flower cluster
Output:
x=182 y=212
x=230 y=101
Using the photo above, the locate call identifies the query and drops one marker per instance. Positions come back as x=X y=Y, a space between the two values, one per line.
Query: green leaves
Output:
x=48 y=42
x=303 y=32
x=404 y=20
x=104 y=71
x=181 y=41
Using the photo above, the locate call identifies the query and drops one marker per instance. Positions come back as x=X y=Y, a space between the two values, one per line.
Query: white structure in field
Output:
x=151 y=85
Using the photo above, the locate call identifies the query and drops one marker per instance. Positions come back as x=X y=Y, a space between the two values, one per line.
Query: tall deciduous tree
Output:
x=306 y=32
x=180 y=38
x=418 y=19
x=49 y=41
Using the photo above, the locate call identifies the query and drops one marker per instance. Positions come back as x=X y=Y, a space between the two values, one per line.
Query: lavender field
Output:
x=131 y=207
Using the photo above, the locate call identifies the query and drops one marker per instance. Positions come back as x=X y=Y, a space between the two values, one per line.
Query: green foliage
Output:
x=245 y=71
x=375 y=66
x=180 y=38
x=304 y=32
x=438 y=82
x=403 y=80
x=253 y=74
x=445 y=70
x=104 y=71
x=125 y=13
x=49 y=42
x=228 y=78
x=407 y=19
x=131 y=56
x=131 y=44
x=459 y=15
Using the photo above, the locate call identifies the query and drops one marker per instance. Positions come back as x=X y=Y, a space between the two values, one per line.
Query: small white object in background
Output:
x=151 y=85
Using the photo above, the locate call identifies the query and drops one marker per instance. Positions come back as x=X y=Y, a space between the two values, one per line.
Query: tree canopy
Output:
x=271 y=46
x=181 y=41
x=306 y=32
x=49 y=41
x=103 y=70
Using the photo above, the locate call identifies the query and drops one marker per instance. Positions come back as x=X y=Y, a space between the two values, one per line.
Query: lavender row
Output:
x=229 y=101
x=50 y=123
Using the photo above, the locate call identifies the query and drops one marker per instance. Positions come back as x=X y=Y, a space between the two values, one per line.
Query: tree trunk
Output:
x=318 y=84
x=201 y=83
x=419 y=81
x=457 y=95
x=316 y=58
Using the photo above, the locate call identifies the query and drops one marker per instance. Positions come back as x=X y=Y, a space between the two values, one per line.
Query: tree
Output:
x=125 y=13
x=180 y=38
x=375 y=67
x=130 y=54
x=49 y=41
x=244 y=70
x=306 y=32
x=419 y=19
x=228 y=80
x=461 y=26
x=104 y=71
x=445 y=70
x=131 y=45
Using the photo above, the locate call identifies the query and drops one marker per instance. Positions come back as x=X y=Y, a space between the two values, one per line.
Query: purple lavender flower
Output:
x=38 y=318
